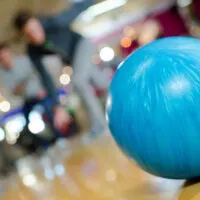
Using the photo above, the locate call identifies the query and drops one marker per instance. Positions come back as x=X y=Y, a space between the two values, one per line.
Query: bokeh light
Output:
x=34 y=115
x=5 y=106
x=126 y=42
x=129 y=31
x=36 y=126
x=13 y=127
x=49 y=174
x=107 y=54
x=149 y=32
x=101 y=8
x=65 y=79
x=59 y=170
x=29 y=180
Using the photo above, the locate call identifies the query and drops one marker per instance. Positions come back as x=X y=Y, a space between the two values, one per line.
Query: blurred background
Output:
x=116 y=28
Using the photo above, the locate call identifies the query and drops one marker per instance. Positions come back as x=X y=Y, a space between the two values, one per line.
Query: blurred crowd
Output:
x=28 y=77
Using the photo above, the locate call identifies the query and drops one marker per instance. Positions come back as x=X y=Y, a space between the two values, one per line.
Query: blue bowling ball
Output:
x=153 y=107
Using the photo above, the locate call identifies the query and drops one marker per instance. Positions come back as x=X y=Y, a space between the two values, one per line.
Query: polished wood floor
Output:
x=97 y=170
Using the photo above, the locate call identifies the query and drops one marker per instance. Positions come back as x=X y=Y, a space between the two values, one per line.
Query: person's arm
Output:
x=45 y=77
x=67 y=16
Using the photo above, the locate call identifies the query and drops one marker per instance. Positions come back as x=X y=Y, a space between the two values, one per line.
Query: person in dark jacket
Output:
x=53 y=35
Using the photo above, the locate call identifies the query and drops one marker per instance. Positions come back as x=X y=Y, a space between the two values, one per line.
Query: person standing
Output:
x=53 y=35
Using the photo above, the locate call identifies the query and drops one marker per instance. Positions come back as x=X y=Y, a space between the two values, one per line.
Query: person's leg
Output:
x=28 y=106
x=100 y=77
x=48 y=110
x=82 y=75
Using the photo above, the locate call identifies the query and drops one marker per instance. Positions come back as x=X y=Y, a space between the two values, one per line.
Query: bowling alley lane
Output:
x=96 y=170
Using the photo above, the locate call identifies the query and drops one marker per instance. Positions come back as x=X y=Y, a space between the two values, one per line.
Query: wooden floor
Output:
x=74 y=170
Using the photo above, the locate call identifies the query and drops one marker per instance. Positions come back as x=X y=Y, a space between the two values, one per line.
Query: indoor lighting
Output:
x=15 y=125
x=29 y=180
x=65 y=79
x=49 y=174
x=34 y=115
x=5 y=106
x=36 y=126
x=59 y=170
x=13 y=128
x=102 y=8
x=129 y=31
x=107 y=54
x=126 y=42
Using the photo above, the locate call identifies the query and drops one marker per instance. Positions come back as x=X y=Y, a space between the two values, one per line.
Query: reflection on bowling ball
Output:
x=153 y=107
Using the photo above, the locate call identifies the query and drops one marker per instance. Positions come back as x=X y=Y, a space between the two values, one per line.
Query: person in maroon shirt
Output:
x=163 y=24
x=171 y=22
